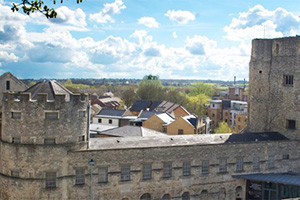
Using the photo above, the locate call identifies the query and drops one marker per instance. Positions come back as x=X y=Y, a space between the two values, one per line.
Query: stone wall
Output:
x=33 y=161
x=272 y=102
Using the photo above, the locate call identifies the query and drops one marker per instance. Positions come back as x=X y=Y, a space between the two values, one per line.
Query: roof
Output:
x=168 y=141
x=147 y=114
x=131 y=131
x=140 y=105
x=192 y=119
x=167 y=118
x=254 y=137
x=100 y=127
x=283 y=178
x=49 y=87
x=154 y=105
x=111 y=112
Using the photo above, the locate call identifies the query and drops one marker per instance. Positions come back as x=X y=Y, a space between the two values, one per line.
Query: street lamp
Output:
x=92 y=162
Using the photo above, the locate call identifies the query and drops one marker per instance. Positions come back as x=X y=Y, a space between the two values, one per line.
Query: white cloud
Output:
x=174 y=35
x=149 y=22
x=259 y=22
x=5 y=57
x=180 y=16
x=109 y=9
x=200 y=45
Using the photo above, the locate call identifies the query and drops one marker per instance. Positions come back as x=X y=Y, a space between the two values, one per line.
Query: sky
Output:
x=174 y=39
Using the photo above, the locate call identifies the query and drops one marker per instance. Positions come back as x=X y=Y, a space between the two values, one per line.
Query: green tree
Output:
x=176 y=96
x=223 y=128
x=128 y=97
x=150 y=88
x=29 y=7
x=196 y=104
x=201 y=88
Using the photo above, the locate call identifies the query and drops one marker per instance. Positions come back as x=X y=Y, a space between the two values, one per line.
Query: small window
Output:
x=100 y=121
x=226 y=113
x=125 y=173
x=16 y=115
x=239 y=119
x=110 y=121
x=15 y=174
x=180 y=131
x=277 y=49
x=16 y=140
x=291 y=124
x=146 y=196
x=51 y=115
x=49 y=141
x=80 y=176
x=271 y=162
x=205 y=167
x=7 y=85
x=213 y=115
x=286 y=157
x=223 y=165
x=103 y=175
x=81 y=138
x=255 y=163
x=213 y=105
x=167 y=170
x=288 y=80
x=81 y=113
x=185 y=196
x=239 y=164
x=186 y=169
x=164 y=129
x=50 y=180
x=147 y=171
x=166 y=197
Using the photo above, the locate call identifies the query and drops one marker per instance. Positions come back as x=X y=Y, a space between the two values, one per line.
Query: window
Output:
x=103 y=175
x=16 y=140
x=81 y=138
x=80 y=176
x=286 y=157
x=81 y=113
x=239 y=127
x=271 y=162
x=167 y=170
x=213 y=105
x=226 y=113
x=16 y=115
x=239 y=164
x=49 y=141
x=185 y=196
x=147 y=171
x=223 y=165
x=166 y=197
x=15 y=174
x=213 y=115
x=205 y=167
x=239 y=119
x=7 y=85
x=255 y=163
x=180 y=131
x=51 y=115
x=125 y=173
x=146 y=196
x=186 y=169
x=288 y=80
x=110 y=121
x=291 y=124
x=50 y=179
x=100 y=121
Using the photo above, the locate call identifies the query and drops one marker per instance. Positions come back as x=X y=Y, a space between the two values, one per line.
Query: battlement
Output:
x=43 y=97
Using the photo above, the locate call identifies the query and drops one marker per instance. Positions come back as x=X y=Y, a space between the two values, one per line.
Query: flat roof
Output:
x=283 y=178
x=158 y=140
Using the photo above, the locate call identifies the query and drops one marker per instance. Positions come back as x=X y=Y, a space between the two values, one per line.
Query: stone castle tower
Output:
x=39 y=126
x=274 y=90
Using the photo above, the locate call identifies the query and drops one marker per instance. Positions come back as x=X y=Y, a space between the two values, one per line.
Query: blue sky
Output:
x=175 y=39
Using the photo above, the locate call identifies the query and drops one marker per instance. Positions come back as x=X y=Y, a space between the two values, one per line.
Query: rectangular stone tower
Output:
x=275 y=86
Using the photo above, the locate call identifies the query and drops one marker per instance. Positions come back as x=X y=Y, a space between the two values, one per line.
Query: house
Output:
x=186 y=125
x=158 y=122
x=108 y=101
x=9 y=83
x=110 y=117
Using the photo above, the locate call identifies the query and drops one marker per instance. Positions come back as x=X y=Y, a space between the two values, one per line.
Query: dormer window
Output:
x=7 y=85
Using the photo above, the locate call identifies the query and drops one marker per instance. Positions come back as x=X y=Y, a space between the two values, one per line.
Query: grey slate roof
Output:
x=167 y=141
x=192 y=119
x=111 y=112
x=283 y=178
x=147 y=114
x=254 y=137
x=140 y=105
x=49 y=87
x=130 y=131
x=154 y=105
